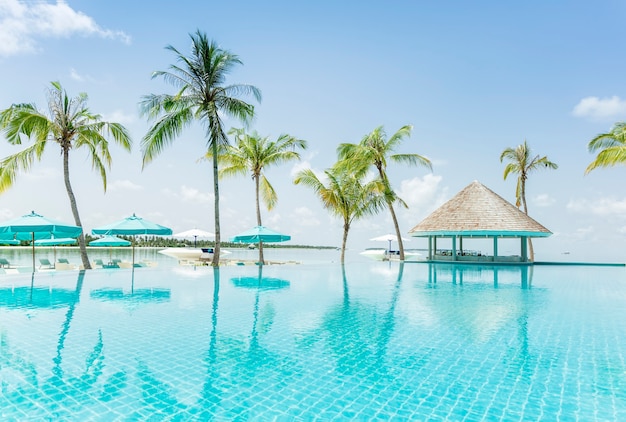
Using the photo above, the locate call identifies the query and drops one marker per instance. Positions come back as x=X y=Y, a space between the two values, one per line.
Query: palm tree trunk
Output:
x=531 y=252
x=70 y=193
x=258 y=218
x=383 y=177
x=216 y=192
x=344 y=242
x=397 y=227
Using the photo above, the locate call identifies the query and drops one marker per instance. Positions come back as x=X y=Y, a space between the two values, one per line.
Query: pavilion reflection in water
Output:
x=459 y=273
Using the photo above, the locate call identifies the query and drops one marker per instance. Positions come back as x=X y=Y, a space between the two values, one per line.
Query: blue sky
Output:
x=472 y=78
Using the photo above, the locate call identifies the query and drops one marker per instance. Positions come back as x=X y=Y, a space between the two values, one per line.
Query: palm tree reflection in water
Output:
x=61 y=392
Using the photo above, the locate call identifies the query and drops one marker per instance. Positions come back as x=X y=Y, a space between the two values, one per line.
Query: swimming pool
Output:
x=313 y=342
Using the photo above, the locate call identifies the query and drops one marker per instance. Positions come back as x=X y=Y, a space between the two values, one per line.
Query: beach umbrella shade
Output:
x=34 y=226
x=194 y=234
x=389 y=238
x=55 y=241
x=110 y=241
x=9 y=240
x=132 y=226
x=260 y=234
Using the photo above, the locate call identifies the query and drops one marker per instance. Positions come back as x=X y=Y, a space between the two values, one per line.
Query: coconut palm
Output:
x=521 y=163
x=252 y=153
x=611 y=148
x=375 y=150
x=203 y=96
x=69 y=124
x=345 y=196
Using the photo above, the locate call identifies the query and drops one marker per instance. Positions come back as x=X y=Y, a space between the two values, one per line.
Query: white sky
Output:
x=472 y=78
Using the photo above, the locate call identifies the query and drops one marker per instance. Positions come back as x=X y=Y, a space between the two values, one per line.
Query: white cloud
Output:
x=273 y=220
x=584 y=232
x=543 y=200
x=601 y=207
x=190 y=194
x=298 y=167
x=76 y=76
x=600 y=108
x=422 y=194
x=303 y=216
x=21 y=24
x=41 y=173
x=6 y=214
x=121 y=185
x=119 y=116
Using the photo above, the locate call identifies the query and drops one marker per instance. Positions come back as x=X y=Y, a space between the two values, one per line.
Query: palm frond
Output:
x=608 y=157
x=268 y=194
x=163 y=133
x=13 y=164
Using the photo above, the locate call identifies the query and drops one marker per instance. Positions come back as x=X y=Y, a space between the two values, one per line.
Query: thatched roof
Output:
x=478 y=211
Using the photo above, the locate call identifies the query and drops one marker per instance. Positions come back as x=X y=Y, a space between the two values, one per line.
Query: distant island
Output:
x=169 y=242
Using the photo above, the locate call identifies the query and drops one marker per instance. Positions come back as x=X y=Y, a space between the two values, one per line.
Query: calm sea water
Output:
x=315 y=341
x=22 y=256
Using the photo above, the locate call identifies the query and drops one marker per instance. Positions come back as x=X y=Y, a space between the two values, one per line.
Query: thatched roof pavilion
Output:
x=477 y=211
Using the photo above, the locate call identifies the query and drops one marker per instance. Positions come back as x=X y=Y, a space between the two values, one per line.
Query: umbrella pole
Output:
x=133 y=251
x=33 y=243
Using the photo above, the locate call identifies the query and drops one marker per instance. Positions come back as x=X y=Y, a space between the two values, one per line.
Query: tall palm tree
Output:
x=203 y=96
x=611 y=148
x=521 y=163
x=69 y=124
x=251 y=154
x=345 y=196
x=375 y=150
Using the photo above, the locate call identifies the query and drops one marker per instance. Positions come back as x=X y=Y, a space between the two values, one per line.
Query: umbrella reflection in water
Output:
x=132 y=298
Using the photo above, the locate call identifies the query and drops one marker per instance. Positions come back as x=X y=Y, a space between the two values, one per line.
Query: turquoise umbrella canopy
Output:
x=34 y=226
x=110 y=241
x=9 y=241
x=132 y=226
x=260 y=234
x=55 y=241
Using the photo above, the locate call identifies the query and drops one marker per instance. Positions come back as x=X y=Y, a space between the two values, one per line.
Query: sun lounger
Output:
x=45 y=264
x=64 y=264
x=4 y=263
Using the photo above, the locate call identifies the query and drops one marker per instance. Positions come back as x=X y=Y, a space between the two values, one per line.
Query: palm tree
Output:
x=252 y=153
x=71 y=125
x=202 y=95
x=611 y=147
x=344 y=196
x=521 y=163
x=375 y=150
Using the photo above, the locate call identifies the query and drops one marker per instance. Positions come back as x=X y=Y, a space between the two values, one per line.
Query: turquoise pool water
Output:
x=313 y=342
